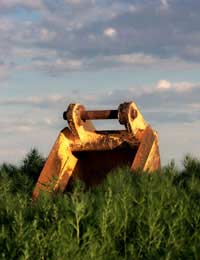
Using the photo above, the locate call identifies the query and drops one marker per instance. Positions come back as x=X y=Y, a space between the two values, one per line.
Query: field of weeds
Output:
x=127 y=217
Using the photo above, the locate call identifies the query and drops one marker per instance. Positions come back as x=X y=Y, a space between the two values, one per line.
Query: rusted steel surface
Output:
x=58 y=167
x=144 y=150
x=126 y=111
x=153 y=161
x=81 y=151
x=99 y=114
x=105 y=141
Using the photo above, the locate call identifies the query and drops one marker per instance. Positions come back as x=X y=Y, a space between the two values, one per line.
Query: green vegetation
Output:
x=128 y=217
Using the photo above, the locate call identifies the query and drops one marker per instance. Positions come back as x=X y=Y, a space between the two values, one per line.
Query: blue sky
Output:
x=99 y=53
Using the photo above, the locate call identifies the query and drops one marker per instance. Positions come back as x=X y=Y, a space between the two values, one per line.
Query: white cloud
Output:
x=186 y=93
x=164 y=84
x=68 y=63
x=178 y=86
x=52 y=62
x=64 y=28
x=36 y=4
x=46 y=103
x=110 y=32
x=164 y=4
x=34 y=100
x=184 y=86
x=64 y=41
x=34 y=52
x=135 y=59
x=59 y=65
x=73 y=2
x=133 y=8
x=25 y=126
x=46 y=35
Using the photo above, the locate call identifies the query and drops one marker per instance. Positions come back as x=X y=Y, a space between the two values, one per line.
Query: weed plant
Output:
x=129 y=216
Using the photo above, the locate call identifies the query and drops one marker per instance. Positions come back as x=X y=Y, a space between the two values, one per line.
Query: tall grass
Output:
x=127 y=217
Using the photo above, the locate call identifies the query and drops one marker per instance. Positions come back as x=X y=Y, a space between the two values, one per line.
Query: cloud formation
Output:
x=110 y=32
x=163 y=103
x=80 y=33
x=44 y=38
x=30 y=4
x=170 y=107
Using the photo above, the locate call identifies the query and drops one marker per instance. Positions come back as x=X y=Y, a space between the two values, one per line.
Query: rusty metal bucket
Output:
x=83 y=152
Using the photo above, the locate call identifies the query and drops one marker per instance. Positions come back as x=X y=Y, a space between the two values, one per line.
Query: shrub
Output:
x=127 y=217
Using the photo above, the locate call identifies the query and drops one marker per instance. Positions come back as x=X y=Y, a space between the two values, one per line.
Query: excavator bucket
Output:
x=82 y=151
